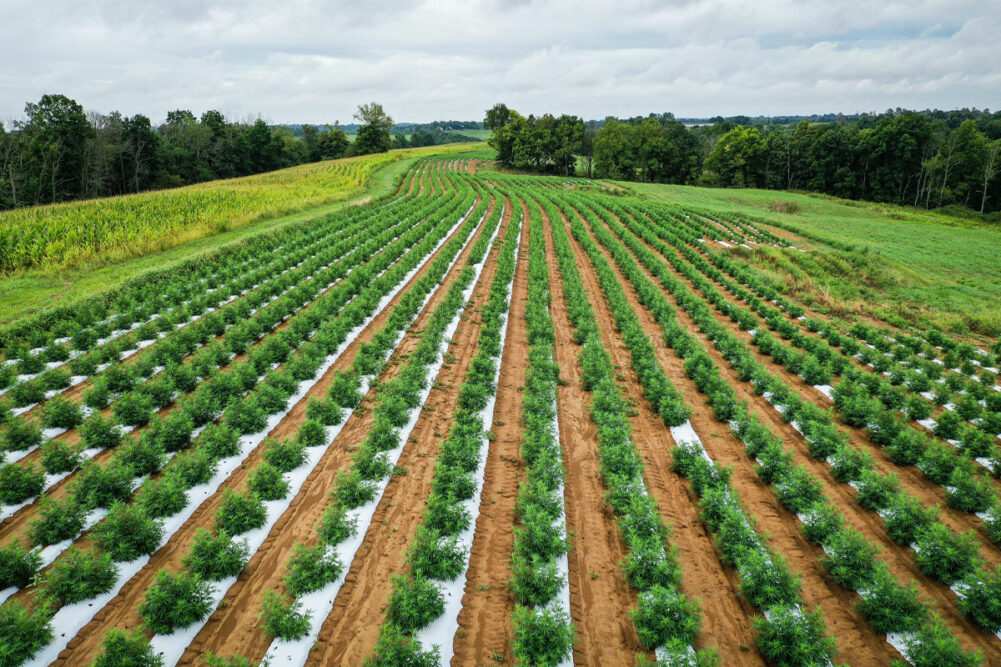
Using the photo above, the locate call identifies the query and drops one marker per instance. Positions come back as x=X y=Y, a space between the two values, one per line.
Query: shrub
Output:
x=934 y=644
x=61 y=519
x=60 y=412
x=57 y=378
x=534 y=580
x=78 y=575
x=22 y=434
x=875 y=490
x=938 y=462
x=96 y=432
x=285 y=455
x=821 y=521
x=947 y=425
x=133 y=409
x=351 y=490
x=311 y=568
x=284 y=620
x=542 y=636
x=219 y=441
x=850 y=559
x=175 y=601
x=23 y=631
x=414 y=602
x=396 y=649
x=267 y=483
x=20 y=482
x=917 y=408
x=192 y=467
x=59 y=456
x=144 y=456
x=980 y=599
x=536 y=535
x=436 y=556
x=970 y=492
x=162 y=497
x=239 y=513
x=766 y=581
x=128 y=533
x=793 y=638
x=174 y=432
x=665 y=616
x=946 y=555
x=646 y=564
x=848 y=463
x=327 y=412
x=905 y=516
x=215 y=556
x=890 y=607
x=18 y=565
x=102 y=486
x=336 y=525
x=246 y=416
x=27 y=393
x=124 y=648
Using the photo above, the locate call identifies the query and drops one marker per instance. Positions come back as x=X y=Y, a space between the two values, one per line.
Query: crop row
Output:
x=850 y=559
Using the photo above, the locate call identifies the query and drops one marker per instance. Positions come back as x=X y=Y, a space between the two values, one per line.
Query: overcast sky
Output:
x=314 y=61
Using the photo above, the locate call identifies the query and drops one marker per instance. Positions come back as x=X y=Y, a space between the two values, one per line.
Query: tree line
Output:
x=931 y=159
x=60 y=152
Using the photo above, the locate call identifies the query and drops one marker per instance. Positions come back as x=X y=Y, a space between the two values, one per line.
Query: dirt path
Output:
x=727 y=618
x=351 y=630
x=600 y=597
x=121 y=612
x=487 y=605
x=898 y=559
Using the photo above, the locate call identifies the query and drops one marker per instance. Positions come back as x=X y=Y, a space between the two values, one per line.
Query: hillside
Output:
x=56 y=254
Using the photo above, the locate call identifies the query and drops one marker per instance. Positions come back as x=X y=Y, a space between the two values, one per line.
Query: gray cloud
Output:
x=315 y=60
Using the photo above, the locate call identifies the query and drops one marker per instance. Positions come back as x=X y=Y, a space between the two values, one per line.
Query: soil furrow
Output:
x=600 y=597
x=485 y=619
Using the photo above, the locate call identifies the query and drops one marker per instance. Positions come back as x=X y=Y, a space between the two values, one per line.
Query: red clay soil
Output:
x=911 y=478
x=898 y=559
x=16 y=526
x=487 y=604
x=121 y=612
x=727 y=617
x=600 y=597
x=350 y=631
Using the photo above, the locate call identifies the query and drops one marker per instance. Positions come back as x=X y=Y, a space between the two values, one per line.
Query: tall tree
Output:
x=373 y=135
x=56 y=134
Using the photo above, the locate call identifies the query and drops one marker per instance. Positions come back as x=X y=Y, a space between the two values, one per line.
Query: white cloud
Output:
x=314 y=61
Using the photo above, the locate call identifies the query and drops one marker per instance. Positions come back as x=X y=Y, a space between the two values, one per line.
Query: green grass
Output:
x=27 y=292
x=902 y=265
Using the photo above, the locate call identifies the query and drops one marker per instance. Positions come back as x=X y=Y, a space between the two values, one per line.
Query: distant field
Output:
x=99 y=231
x=78 y=248
x=905 y=266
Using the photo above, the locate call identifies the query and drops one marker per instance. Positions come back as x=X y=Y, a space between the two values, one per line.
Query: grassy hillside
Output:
x=217 y=212
x=904 y=266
